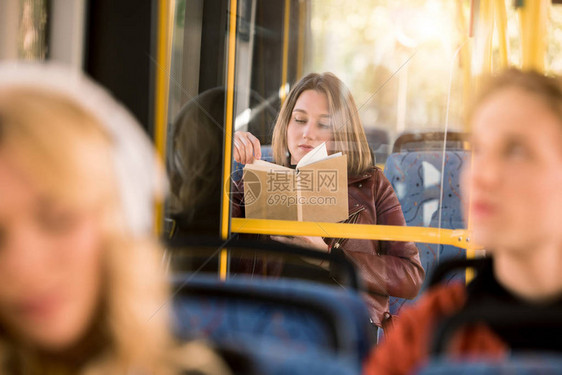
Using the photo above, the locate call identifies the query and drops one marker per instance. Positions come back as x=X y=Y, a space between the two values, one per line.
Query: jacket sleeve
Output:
x=387 y=267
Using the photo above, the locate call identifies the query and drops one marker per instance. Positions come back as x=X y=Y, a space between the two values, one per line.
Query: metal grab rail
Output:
x=455 y=237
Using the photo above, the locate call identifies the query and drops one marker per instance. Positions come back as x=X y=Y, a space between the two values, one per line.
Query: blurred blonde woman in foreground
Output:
x=81 y=284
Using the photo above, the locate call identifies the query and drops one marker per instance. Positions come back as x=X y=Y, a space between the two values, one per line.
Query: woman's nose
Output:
x=308 y=130
x=485 y=172
x=24 y=256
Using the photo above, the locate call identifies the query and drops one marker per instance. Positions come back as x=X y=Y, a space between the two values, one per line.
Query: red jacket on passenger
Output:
x=486 y=321
x=405 y=347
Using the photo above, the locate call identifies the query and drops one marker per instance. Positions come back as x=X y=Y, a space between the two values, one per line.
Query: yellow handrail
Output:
x=456 y=237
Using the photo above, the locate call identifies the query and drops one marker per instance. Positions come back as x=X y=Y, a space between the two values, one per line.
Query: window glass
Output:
x=410 y=66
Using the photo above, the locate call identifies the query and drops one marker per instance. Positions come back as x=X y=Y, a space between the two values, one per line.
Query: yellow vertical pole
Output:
x=487 y=25
x=533 y=16
x=538 y=24
x=501 y=27
x=522 y=12
x=229 y=124
x=526 y=12
x=285 y=68
x=482 y=31
x=465 y=52
x=301 y=39
x=470 y=252
x=163 y=56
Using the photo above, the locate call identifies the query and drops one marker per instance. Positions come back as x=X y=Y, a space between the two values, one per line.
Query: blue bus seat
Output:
x=379 y=143
x=271 y=358
x=430 y=141
x=416 y=178
x=307 y=318
x=237 y=168
x=527 y=364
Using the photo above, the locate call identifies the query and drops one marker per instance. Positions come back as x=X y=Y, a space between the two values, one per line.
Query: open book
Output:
x=315 y=191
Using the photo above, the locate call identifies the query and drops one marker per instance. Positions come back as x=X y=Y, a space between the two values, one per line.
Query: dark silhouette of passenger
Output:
x=195 y=164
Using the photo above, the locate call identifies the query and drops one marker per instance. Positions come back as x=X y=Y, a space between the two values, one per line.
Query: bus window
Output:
x=401 y=63
x=402 y=80
x=410 y=66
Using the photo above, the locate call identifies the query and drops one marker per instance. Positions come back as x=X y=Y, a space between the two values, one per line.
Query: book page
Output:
x=263 y=165
x=316 y=154
x=333 y=156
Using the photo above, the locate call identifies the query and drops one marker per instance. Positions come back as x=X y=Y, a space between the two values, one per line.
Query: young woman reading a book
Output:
x=320 y=109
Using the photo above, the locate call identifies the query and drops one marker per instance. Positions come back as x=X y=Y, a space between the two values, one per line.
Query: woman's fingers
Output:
x=256 y=144
x=239 y=151
x=246 y=147
x=235 y=151
x=239 y=154
x=248 y=150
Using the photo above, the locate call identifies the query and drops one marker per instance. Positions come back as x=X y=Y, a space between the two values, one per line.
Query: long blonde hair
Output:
x=69 y=154
x=349 y=136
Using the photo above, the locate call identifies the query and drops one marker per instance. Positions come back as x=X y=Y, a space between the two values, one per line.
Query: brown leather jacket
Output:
x=387 y=268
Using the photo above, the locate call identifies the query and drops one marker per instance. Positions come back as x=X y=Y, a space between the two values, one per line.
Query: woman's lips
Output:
x=482 y=209
x=305 y=147
x=39 y=307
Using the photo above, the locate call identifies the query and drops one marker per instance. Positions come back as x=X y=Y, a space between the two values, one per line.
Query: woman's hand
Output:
x=247 y=147
x=314 y=243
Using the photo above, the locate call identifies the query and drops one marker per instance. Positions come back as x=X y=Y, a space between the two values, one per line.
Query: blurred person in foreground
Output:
x=82 y=289
x=515 y=208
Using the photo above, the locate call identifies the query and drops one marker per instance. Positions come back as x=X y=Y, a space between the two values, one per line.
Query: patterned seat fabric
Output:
x=270 y=358
x=296 y=316
x=527 y=364
x=416 y=178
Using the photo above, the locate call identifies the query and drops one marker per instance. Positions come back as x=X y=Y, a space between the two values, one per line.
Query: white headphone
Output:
x=141 y=180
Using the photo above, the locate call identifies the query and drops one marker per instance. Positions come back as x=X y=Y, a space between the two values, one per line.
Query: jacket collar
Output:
x=364 y=176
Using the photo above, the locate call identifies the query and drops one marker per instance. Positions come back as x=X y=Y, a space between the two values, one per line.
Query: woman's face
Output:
x=516 y=176
x=310 y=124
x=50 y=263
